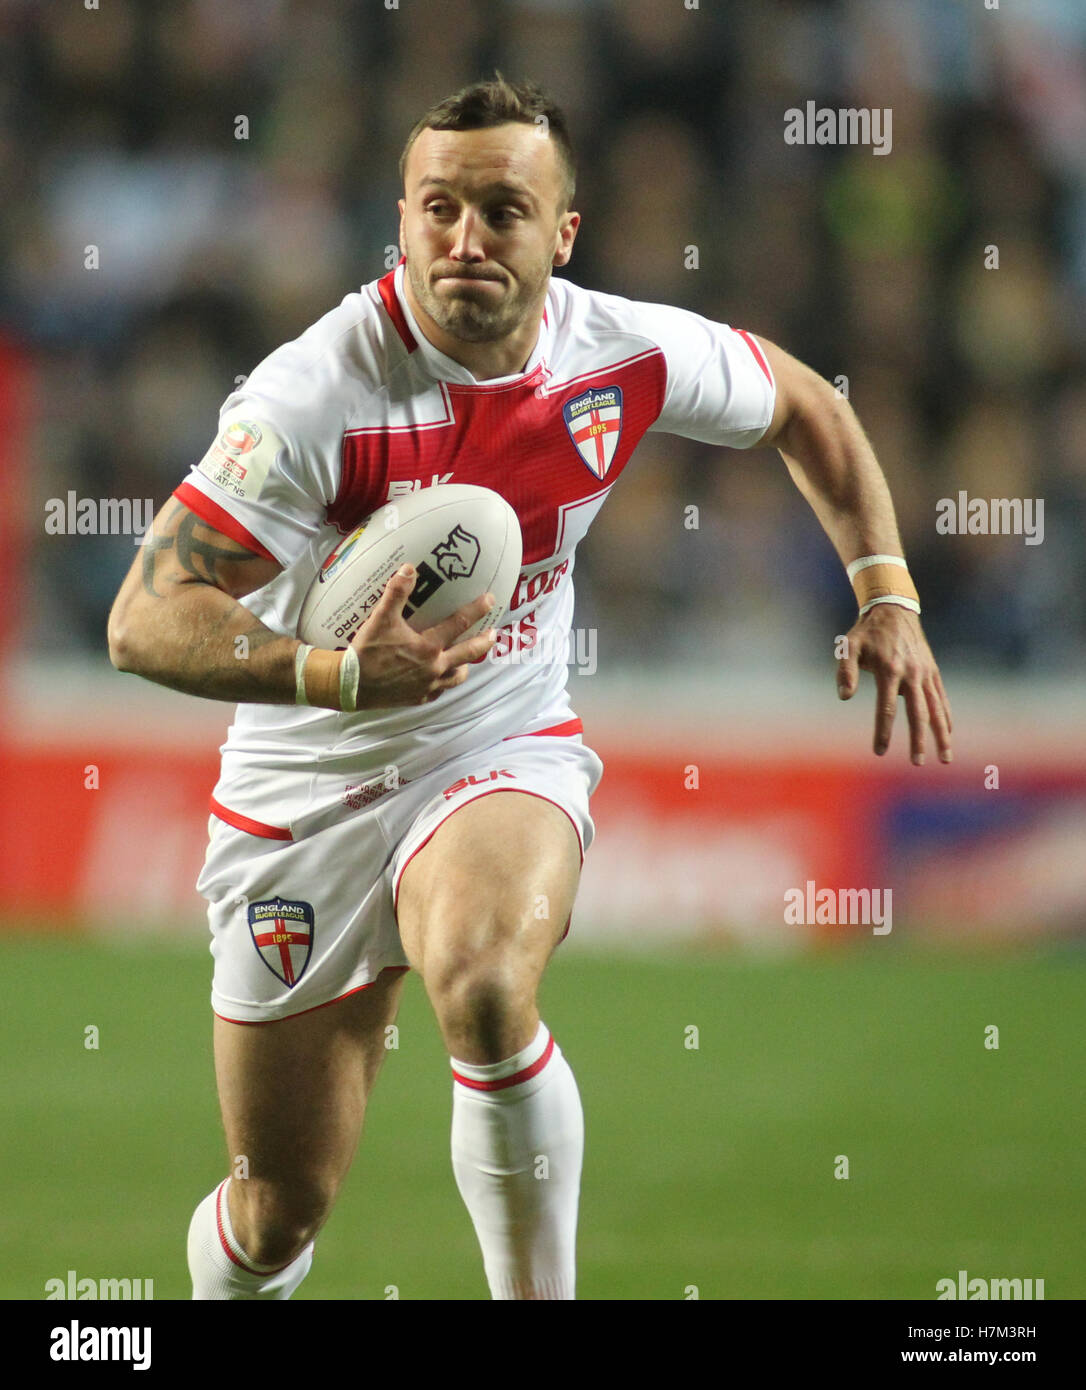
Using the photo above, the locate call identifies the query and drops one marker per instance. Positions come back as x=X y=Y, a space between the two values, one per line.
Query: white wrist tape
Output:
x=868 y=560
x=878 y=579
x=301 y=656
x=899 y=599
x=349 y=673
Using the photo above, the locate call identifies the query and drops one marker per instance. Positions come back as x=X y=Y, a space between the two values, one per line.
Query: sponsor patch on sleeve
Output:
x=241 y=458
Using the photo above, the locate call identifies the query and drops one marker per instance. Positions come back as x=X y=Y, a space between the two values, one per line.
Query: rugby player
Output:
x=416 y=800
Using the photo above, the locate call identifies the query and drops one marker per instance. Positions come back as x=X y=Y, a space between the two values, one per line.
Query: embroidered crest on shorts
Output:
x=283 y=934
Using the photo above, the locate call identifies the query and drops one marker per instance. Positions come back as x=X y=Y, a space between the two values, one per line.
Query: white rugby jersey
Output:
x=362 y=409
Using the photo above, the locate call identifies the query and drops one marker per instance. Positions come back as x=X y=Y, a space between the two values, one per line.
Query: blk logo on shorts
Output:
x=283 y=934
x=594 y=421
x=462 y=782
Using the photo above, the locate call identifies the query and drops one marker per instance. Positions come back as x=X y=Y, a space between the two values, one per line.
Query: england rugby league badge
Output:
x=282 y=933
x=594 y=422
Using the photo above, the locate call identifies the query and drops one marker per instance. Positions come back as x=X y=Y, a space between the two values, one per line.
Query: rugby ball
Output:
x=463 y=541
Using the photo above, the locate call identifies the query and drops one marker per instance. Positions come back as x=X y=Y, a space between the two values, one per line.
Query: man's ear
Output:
x=402 y=207
x=567 y=233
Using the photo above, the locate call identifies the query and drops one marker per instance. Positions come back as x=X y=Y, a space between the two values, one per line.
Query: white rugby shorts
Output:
x=301 y=917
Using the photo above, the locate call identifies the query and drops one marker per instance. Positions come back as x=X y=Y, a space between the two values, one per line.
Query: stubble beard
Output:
x=468 y=317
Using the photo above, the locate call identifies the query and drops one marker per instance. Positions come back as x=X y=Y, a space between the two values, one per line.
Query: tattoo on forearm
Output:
x=196 y=554
x=151 y=548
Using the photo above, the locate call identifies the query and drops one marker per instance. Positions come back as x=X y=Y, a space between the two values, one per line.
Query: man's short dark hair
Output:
x=498 y=102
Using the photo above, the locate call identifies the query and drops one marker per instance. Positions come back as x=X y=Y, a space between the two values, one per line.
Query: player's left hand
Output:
x=890 y=643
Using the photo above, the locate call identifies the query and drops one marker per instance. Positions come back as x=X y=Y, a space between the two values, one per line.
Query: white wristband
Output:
x=868 y=560
x=899 y=599
x=301 y=656
x=349 y=673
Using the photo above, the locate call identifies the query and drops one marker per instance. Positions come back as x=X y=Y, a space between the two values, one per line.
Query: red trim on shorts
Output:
x=386 y=288
x=246 y=823
x=264 y=1022
x=525 y=1075
x=494 y=791
x=260 y=1273
x=221 y=519
x=566 y=730
x=758 y=355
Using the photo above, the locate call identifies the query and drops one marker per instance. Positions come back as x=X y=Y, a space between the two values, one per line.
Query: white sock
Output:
x=219 y=1267
x=517 y=1146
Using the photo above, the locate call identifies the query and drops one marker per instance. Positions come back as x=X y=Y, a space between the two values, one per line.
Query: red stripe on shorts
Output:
x=265 y=1022
x=246 y=823
x=497 y=791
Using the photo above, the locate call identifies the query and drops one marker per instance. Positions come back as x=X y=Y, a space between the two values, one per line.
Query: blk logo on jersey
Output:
x=594 y=421
x=457 y=555
x=282 y=932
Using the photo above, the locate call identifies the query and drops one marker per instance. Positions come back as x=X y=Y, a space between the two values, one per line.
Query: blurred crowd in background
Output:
x=119 y=126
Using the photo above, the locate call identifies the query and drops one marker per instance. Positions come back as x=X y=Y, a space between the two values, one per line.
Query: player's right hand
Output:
x=399 y=666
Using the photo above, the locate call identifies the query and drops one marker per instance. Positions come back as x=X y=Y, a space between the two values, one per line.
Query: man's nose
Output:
x=468 y=238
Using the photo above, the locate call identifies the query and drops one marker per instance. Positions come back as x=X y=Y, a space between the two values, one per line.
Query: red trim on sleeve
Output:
x=759 y=357
x=246 y=823
x=514 y=1080
x=221 y=519
x=566 y=730
x=386 y=288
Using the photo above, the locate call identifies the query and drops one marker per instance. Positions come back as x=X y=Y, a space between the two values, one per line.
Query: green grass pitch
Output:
x=711 y=1167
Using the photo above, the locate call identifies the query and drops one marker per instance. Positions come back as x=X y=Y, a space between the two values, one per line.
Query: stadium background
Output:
x=733 y=774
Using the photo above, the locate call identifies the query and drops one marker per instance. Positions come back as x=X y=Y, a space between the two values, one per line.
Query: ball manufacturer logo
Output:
x=457 y=555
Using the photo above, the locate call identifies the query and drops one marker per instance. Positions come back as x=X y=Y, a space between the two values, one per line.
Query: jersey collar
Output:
x=446 y=368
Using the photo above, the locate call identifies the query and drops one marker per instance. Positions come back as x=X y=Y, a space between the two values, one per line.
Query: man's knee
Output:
x=465 y=987
x=275 y=1220
x=484 y=1002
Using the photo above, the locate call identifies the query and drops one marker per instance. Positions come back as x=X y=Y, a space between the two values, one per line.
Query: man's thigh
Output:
x=293 y=1092
x=483 y=904
x=497 y=850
